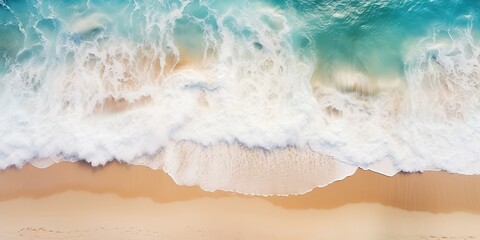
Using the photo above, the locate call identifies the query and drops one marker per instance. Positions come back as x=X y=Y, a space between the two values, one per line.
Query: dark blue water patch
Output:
x=370 y=35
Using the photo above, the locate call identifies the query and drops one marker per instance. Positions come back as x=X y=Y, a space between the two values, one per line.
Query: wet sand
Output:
x=76 y=201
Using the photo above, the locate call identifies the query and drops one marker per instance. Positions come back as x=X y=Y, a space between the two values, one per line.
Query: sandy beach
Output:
x=240 y=120
x=76 y=201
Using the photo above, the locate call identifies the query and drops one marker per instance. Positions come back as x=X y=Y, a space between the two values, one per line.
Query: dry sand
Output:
x=76 y=201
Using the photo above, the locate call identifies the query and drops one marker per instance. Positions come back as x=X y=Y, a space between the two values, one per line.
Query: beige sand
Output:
x=75 y=201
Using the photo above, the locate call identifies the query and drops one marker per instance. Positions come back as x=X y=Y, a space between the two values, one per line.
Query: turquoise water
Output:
x=370 y=36
x=361 y=81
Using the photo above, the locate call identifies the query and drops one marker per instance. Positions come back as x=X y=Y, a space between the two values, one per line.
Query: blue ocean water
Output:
x=368 y=35
x=365 y=81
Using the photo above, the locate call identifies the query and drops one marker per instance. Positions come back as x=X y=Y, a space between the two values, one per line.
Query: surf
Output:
x=267 y=98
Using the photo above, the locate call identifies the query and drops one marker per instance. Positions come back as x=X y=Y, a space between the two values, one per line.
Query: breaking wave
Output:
x=271 y=97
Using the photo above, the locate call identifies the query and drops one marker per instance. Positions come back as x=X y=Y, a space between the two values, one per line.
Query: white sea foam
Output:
x=233 y=167
x=245 y=118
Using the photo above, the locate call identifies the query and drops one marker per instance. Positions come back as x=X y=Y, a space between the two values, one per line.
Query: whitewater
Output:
x=258 y=97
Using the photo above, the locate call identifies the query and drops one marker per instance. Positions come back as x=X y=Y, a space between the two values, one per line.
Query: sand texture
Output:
x=76 y=201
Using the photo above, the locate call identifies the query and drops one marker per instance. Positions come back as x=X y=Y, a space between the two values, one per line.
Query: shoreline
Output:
x=436 y=192
x=77 y=201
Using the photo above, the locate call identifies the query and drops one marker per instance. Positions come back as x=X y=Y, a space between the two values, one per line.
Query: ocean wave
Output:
x=239 y=96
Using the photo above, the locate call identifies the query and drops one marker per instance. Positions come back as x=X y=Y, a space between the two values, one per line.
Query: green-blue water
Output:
x=371 y=36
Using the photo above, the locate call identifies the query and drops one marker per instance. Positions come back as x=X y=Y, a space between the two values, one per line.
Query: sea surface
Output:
x=279 y=86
